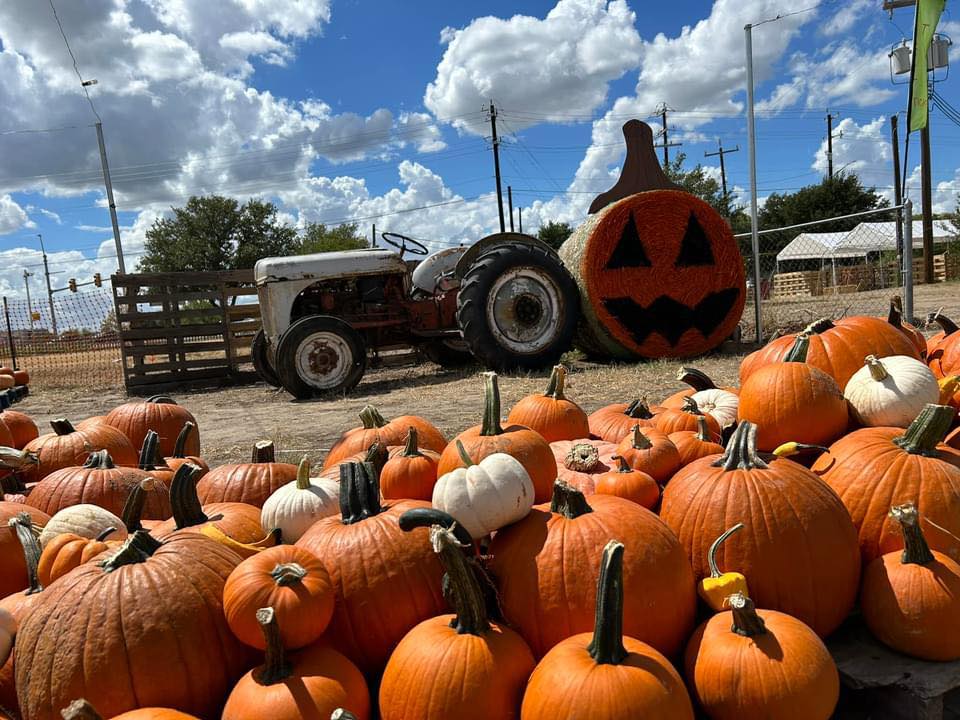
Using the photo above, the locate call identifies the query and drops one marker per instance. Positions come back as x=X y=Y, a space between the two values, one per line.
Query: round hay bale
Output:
x=660 y=275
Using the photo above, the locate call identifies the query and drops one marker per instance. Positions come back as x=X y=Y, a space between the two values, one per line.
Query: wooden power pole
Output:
x=496 y=163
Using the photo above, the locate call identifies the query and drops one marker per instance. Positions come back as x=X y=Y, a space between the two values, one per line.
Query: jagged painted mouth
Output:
x=670 y=318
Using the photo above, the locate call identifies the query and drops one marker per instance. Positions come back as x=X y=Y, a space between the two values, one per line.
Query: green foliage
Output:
x=844 y=195
x=216 y=233
x=698 y=182
x=318 y=238
x=554 y=233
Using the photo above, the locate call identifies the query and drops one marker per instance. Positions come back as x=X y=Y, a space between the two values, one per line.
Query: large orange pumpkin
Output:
x=70 y=447
x=660 y=275
x=581 y=462
x=795 y=528
x=873 y=469
x=837 y=347
x=375 y=429
x=551 y=414
x=527 y=446
x=158 y=413
x=613 y=423
x=547 y=573
x=251 y=482
x=21 y=426
x=82 y=710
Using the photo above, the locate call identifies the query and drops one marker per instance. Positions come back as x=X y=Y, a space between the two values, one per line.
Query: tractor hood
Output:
x=329 y=265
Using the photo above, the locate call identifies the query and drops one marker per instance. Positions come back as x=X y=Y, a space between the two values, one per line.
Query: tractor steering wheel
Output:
x=405 y=244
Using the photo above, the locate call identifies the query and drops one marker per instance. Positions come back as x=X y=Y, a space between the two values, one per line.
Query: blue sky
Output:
x=340 y=110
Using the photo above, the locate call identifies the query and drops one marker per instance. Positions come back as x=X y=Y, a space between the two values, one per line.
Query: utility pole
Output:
x=897 y=195
x=373 y=236
x=496 y=163
x=26 y=282
x=520 y=213
x=510 y=205
x=926 y=198
x=113 y=205
x=723 y=170
x=46 y=274
x=830 y=137
x=662 y=110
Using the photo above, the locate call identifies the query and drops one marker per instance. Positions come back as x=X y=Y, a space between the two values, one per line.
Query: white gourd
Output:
x=296 y=506
x=486 y=496
x=891 y=392
x=721 y=404
x=85 y=520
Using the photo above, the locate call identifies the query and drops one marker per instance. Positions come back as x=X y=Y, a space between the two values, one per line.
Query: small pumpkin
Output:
x=652 y=452
x=82 y=710
x=411 y=473
x=947 y=327
x=591 y=671
x=13 y=569
x=692 y=445
x=296 y=506
x=581 y=462
x=460 y=665
x=21 y=377
x=160 y=414
x=630 y=484
x=698 y=382
x=749 y=663
x=793 y=400
x=718 y=586
x=180 y=455
x=21 y=426
x=890 y=392
x=67 y=446
x=68 y=550
x=910 y=600
x=943 y=349
x=613 y=423
x=523 y=444
x=687 y=418
x=551 y=414
x=292 y=581
x=913 y=334
x=85 y=520
x=485 y=496
x=375 y=429
x=250 y=483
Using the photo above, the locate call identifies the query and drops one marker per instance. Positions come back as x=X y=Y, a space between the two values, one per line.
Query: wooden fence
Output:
x=185 y=329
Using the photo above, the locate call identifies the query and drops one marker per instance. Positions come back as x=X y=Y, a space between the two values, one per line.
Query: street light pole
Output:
x=752 y=152
x=46 y=274
x=113 y=206
x=26 y=281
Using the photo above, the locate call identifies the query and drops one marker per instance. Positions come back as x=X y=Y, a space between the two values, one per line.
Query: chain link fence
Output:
x=73 y=344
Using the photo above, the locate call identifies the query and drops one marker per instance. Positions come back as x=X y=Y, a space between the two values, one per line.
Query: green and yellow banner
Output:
x=928 y=15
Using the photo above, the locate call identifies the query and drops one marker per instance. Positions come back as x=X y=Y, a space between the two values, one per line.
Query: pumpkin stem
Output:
x=916 y=551
x=877 y=371
x=582 y=457
x=62 y=426
x=137 y=548
x=746 y=622
x=359 y=492
x=558 y=378
x=928 y=430
x=464 y=455
x=187 y=510
x=107 y=532
x=715 y=545
x=461 y=585
x=607 y=648
x=568 y=501
x=149 y=451
x=264 y=452
x=371 y=418
x=697 y=379
x=426 y=517
x=638 y=410
x=22 y=525
x=946 y=324
x=133 y=507
x=818 y=326
x=741 y=452
x=275 y=666
x=623 y=465
x=690 y=406
x=285 y=574
x=377 y=455
x=895 y=316
x=12 y=484
x=179 y=448
x=303 y=474
x=798 y=352
x=341 y=714
x=703 y=431
x=640 y=441
x=99 y=460
x=80 y=710
x=491 y=406
x=411 y=449
x=161 y=400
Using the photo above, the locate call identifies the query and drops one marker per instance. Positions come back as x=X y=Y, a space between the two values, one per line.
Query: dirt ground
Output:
x=232 y=419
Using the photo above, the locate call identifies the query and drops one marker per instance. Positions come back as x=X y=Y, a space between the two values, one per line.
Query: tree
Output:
x=698 y=182
x=318 y=238
x=554 y=233
x=216 y=233
x=843 y=195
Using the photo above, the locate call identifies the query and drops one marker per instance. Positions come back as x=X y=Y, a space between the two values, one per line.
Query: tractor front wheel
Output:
x=261 y=360
x=320 y=355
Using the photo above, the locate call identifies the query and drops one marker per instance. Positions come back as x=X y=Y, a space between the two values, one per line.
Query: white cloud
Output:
x=847 y=16
x=945 y=194
x=12 y=216
x=553 y=67
x=862 y=149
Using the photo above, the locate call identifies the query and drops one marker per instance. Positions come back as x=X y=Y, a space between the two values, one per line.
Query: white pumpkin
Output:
x=721 y=404
x=486 y=496
x=85 y=520
x=296 y=506
x=891 y=392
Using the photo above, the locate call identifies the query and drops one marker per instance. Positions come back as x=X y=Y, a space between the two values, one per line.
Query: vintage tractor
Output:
x=507 y=301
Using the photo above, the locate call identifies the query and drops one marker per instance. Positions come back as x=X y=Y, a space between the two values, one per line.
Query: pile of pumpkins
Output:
x=640 y=561
x=11 y=378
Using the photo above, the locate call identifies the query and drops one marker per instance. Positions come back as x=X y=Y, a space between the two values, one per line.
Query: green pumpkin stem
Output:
x=491 y=406
x=187 y=510
x=179 y=447
x=276 y=667
x=99 y=460
x=798 y=352
x=371 y=418
x=411 y=449
x=137 y=548
x=359 y=492
x=928 y=430
x=638 y=410
x=303 y=474
x=149 y=451
x=80 y=710
x=877 y=371
x=133 y=506
x=639 y=441
x=568 y=501
x=285 y=574
x=746 y=622
x=946 y=324
x=161 y=400
x=464 y=455
x=22 y=525
x=558 y=379
x=715 y=545
x=461 y=585
x=607 y=648
x=916 y=551
x=741 y=452
x=818 y=326
x=62 y=426
x=264 y=452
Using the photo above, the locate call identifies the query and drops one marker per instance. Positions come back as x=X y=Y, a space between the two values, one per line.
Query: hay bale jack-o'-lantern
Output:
x=659 y=271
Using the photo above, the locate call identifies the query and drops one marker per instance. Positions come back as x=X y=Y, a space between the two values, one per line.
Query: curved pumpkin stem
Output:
x=877 y=371
x=80 y=710
x=582 y=457
x=303 y=474
x=715 y=545
x=568 y=501
x=606 y=647
x=746 y=622
x=461 y=586
x=697 y=379
x=427 y=517
x=137 y=548
x=411 y=449
x=377 y=455
x=741 y=452
x=99 y=460
x=179 y=448
x=818 y=326
x=149 y=451
x=187 y=510
x=276 y=666
x=359 y=492
x=132 y=513
x=623 y=465
x=161 y=400
x=107 y=532
x=22 y=525
x=895 y=315
x=558 y=378
x=491 y=406
x=464 y=455
x=264 y=452
x=946 y=324
x=690 y=406
x=285 y=574
x=62 y=426
x=928 y=430
x=371 y=418
x=916 y=551
x=798 y=352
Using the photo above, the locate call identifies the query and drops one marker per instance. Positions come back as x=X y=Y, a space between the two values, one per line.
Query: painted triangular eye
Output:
x=695 y=246
x=629 y=251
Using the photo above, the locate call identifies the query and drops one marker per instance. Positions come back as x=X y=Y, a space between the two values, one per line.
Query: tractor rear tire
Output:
x=320 y=355
x=448 y=353
x=518 y=307
x=261 y=360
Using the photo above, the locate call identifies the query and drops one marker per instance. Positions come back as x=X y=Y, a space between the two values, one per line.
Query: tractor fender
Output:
x=496 y=240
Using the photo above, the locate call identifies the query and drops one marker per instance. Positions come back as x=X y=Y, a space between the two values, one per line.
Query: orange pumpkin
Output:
x=409 y=474
x=180 y=456
x=21 y=377
x=693 y=445
x=375 y=429
x=158 y=413
x=581 y=462
x=251 y=482
x=613 y=423
x=13 y=568
x=651 y=451
x=527 y=446
x=947 y=327
x=895 y=318
x=22 y=428
x=69 y=447
x=551 y=414
x=67 y=551
x=686 y=418
x=82 y=710
x=630 y=484
x=697 y=380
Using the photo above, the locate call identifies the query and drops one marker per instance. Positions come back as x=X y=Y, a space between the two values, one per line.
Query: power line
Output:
x=76 y=69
